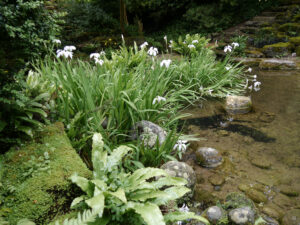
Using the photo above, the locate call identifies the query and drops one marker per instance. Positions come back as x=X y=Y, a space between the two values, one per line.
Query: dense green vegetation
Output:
x=104 y=95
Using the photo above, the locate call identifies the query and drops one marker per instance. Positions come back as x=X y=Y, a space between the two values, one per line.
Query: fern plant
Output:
x=116 y=197
x=191 y=45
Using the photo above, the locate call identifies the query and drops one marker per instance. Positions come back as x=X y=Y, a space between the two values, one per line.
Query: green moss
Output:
x=281 y=48
x=295 y=40
x=45 y=192
x=236 y=200
x=296 y=18
x=290 y=27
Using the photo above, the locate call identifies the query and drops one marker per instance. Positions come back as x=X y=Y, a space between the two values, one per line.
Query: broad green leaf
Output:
x=2 y=125
x=169 y=181
x=26 y=130
x=143 y=195
x=77 y=200
x=120 y=194
x=97 y=203
x=179 y=216
x=39 y=111
x=82 y=182
x=149 y=212
x=116 y=156
x=172 y=193
x=99 y=156
x=141 y=175
x=100 y=184
x=25 y=222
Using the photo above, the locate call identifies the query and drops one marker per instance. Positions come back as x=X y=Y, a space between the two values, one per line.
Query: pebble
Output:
x=208 y=157
x=244 y=215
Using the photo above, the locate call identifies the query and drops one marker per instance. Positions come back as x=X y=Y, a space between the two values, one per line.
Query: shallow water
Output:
x=261 y=149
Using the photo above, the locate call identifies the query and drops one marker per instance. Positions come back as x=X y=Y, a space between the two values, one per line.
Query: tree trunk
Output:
x=123 y=16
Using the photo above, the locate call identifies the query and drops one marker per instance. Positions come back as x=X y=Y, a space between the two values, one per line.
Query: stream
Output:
x=260 y=150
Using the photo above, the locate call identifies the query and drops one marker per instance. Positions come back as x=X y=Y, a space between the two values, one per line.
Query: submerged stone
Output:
x=238 y=104
x=216 y=180
x=208 y=157
x=256 y=195
x=289 y=191
x=241 y=216
x=148 y=132
x=181 y=169
x=291 y=217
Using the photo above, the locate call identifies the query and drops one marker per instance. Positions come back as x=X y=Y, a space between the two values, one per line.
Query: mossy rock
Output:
x=237 y=200
x=35 y=178
x=287 y=27
x=295 y=40
x=278 y=49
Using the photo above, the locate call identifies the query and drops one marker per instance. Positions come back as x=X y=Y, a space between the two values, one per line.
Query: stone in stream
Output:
x=256 y=195
x=216 y=180
x=238 y=104
x=181 y=169
x=291 y=217
x=289 y=191
x=281 y=48
x=148 y=132
x=214 y=214
x=277 y=64
x=244 y=215
x=208 y=157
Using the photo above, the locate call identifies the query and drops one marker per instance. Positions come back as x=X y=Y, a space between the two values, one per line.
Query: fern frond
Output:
x=82 y=219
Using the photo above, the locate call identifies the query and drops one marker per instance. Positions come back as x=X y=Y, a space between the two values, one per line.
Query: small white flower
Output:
x=257 y=86
x=70 y=48
x=249 y=70
x=56 y=41
x=99 y=61
x=102 y=53
x=158 y=99
x=294 y=54
x=254 y=76
x=144 y=45
x=64 y=53
x=171 y=41
x=165 y=63
x=228 y=67
x=210 y=91
x=184 y=208
x=201 y=88
x=152 y=51
x=122 y=37
x=165 y=37
x=227 y=48
x=195 y=42
x=180 y=145
x=250 y=87
x=191 y=46
x=94 y=55
x=235 y=44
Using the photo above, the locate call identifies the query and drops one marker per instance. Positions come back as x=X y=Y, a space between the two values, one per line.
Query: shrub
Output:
x=116 y=197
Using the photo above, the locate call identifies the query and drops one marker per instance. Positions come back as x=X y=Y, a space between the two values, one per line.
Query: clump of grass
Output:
x=112 y=97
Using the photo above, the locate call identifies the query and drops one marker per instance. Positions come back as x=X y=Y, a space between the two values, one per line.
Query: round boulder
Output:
x=181 y=169
x=148 y=132
x=208 y=157
x=214 y=214
x=241 y=216
x=238 y=104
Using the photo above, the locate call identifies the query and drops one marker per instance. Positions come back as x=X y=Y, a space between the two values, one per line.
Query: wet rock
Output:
x=269 y=221
x=215 y=214
x=251 y=62
x=277 y=64
x=223 y=133
x=238 y=104
x=287 y=27
x=283 y=201
x=261 y=162
x=216 y=180
x=181 y=169
x=266 y=117
x=148 y=132
x=243 y=187
x=208 y=157
x=254 y=54
x=256 y=195
x=244 y=215
x=272 y=212
x=237 y=200
x=278 y=49
x=291 y=217
x=204 y=196
x=289 y=191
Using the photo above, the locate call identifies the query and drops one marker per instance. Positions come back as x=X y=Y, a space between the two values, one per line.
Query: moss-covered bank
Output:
x=35 y=182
